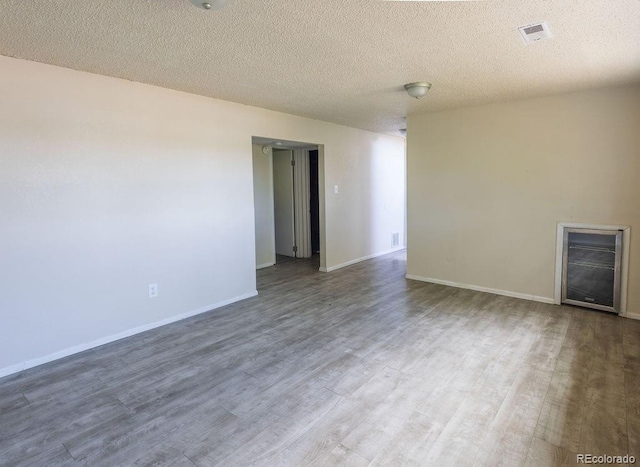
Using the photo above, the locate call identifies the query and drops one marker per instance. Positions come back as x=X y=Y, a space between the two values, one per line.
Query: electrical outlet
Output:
x=335 y=189
x=153 y=290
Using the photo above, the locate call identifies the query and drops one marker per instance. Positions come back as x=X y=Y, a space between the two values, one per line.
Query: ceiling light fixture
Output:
x=418 y=89
x=209 y=5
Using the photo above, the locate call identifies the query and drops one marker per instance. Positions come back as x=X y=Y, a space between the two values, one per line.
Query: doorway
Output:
x=289 y=201
x=314 y=199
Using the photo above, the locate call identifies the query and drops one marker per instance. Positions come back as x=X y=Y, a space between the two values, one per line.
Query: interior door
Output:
x=283 y=202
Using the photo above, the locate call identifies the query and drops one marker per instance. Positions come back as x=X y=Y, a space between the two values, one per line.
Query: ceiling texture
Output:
x=342 y=61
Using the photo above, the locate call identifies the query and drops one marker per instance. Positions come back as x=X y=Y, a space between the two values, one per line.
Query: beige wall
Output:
x=107 y=186
x=486 y=186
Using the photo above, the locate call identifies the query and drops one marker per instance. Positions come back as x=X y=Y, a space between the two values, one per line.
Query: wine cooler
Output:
x=591 y=268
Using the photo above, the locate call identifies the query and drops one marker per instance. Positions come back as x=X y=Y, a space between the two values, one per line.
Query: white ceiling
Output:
x=335 y=60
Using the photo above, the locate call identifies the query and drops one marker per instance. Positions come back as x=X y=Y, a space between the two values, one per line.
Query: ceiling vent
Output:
x=535 y=32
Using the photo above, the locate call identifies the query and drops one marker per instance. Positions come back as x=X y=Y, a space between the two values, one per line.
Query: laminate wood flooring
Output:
x=356 y=367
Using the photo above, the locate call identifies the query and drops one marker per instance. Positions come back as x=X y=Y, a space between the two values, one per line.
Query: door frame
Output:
x=321 y=197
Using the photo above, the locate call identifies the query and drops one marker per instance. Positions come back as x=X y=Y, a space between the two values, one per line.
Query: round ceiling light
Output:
x=210 y=4
x=418 y=89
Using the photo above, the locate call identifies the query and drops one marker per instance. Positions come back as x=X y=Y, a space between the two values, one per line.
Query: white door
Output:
x=283 y=201
x=301 y=202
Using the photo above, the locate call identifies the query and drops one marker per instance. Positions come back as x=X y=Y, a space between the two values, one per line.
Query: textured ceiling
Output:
x=335 y=60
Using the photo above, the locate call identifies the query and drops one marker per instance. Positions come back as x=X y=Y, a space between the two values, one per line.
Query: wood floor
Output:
x=355 y=367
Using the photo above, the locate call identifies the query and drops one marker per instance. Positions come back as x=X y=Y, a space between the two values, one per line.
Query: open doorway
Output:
x=289 y=201
x=314 y=199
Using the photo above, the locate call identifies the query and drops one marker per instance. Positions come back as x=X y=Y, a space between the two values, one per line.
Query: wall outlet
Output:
x=395 y=239
x=153 y=290
x=335 y=189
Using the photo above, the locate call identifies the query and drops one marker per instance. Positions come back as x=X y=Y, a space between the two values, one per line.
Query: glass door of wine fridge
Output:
x=591 y=268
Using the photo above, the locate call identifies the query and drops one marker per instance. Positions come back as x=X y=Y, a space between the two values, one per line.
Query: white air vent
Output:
x=535 y=32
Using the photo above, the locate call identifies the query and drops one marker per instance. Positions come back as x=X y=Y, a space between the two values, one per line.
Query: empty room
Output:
x=395 y=233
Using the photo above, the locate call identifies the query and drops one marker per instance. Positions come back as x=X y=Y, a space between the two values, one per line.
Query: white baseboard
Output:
x=478 y=288
x=264 y=265
x=358 y=260
x=630 y=315
x=129 y=332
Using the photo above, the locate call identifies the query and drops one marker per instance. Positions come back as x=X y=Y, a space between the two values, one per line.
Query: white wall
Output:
x=107 y=186
x=487 y=185
x=263 y=203
x=370 y=201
